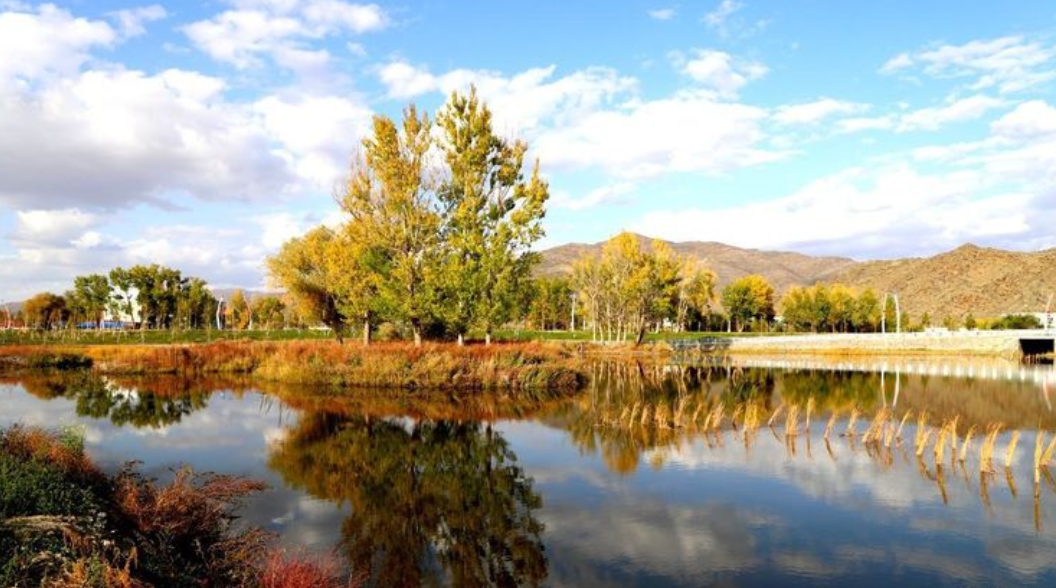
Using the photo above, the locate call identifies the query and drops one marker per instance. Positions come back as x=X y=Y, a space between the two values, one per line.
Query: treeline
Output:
x=834 y=308
x=433 y=246
x=151 y=297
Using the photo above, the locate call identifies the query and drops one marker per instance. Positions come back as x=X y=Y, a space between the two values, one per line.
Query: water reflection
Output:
x=432 y=502
x=153 y=403
x=643 y=484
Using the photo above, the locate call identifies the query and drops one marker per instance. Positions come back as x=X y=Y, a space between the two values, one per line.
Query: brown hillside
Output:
x=782 y=269
x=987 y=282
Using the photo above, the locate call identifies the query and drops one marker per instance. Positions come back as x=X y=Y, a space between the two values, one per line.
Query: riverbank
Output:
x=512 y=368
x=66 y=524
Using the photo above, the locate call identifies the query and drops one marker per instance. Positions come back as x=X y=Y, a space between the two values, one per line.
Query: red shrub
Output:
x=299 y=570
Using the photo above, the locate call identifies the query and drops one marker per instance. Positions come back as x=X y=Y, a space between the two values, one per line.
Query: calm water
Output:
x=571 y=494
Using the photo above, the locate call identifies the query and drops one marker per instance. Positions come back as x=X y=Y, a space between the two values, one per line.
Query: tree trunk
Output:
x=461 y=340
x=366 y=332
x=417 y=336
x=641 y=335
x=487 y=338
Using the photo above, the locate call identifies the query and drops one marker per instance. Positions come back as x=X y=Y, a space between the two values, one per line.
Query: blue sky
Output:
x=203 y=134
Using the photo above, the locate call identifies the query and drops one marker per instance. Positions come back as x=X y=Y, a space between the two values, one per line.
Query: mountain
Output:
x=987 y=282
x=783 y=269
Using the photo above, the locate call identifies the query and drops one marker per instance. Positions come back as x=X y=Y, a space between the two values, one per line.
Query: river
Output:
x=599 y=490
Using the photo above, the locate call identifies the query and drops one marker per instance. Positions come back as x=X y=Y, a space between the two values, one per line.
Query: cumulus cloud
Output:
x=689 y=132
x=97 y=140
x=1006 y=64
x=47 y=42
x=1030 y=119
x=252 y=31
x=719 y=71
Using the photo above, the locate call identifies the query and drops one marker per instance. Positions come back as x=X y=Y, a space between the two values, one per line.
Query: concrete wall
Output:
x=992 y=343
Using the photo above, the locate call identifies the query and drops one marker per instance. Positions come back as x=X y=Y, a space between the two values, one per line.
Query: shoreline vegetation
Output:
x=515 y=368
x=64 y=523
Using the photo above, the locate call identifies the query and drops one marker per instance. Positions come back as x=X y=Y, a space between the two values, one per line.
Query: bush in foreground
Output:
x=65 y=524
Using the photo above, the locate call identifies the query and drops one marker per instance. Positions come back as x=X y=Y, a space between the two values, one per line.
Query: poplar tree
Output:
x=491 y=217
x=394 y=214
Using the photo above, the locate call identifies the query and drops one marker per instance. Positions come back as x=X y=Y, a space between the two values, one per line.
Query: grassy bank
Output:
x=65 y=524
x=500 y=367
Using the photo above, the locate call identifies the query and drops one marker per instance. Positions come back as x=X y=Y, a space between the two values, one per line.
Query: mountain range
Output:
x=984 y=281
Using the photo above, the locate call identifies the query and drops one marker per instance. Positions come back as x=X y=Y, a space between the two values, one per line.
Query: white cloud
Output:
x=719 y=71
x=1007 y=64
x=1030 y=119
x=104 y=139
x=716 y=19
x=897 y=63
x=257 y=29
x=964 y=109
x=690 y=132
x=133 y=20
x=47 y=42
x=405 y=81
x=662 y=14
x=890 y=211
x=610 y=194
x=810 y=113
x=522 y=103
x=52 y=227
x=318 y=134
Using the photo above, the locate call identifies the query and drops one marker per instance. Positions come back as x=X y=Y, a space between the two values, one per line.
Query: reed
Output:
x=850 y=432
x=966 y=444
x=1046 y=456
x=829 y=425
x=774 y=416
x=922 y=441
x=792 y=421
x=1039 y=450
x=810 y=412
x=940 y=442
x=986 y=451
x=1011 y=450
x=902 y=423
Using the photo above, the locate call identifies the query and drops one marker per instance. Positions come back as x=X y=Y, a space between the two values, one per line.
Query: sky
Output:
x=202 y=135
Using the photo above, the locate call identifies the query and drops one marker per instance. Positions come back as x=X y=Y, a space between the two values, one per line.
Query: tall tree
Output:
x=491 y=214
x=391 y=201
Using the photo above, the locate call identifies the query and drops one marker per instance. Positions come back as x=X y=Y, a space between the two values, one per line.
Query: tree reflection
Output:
x=122 y=403
x=433 y=502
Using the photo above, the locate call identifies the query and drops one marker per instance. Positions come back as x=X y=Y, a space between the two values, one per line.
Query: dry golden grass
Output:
x=509 y=366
